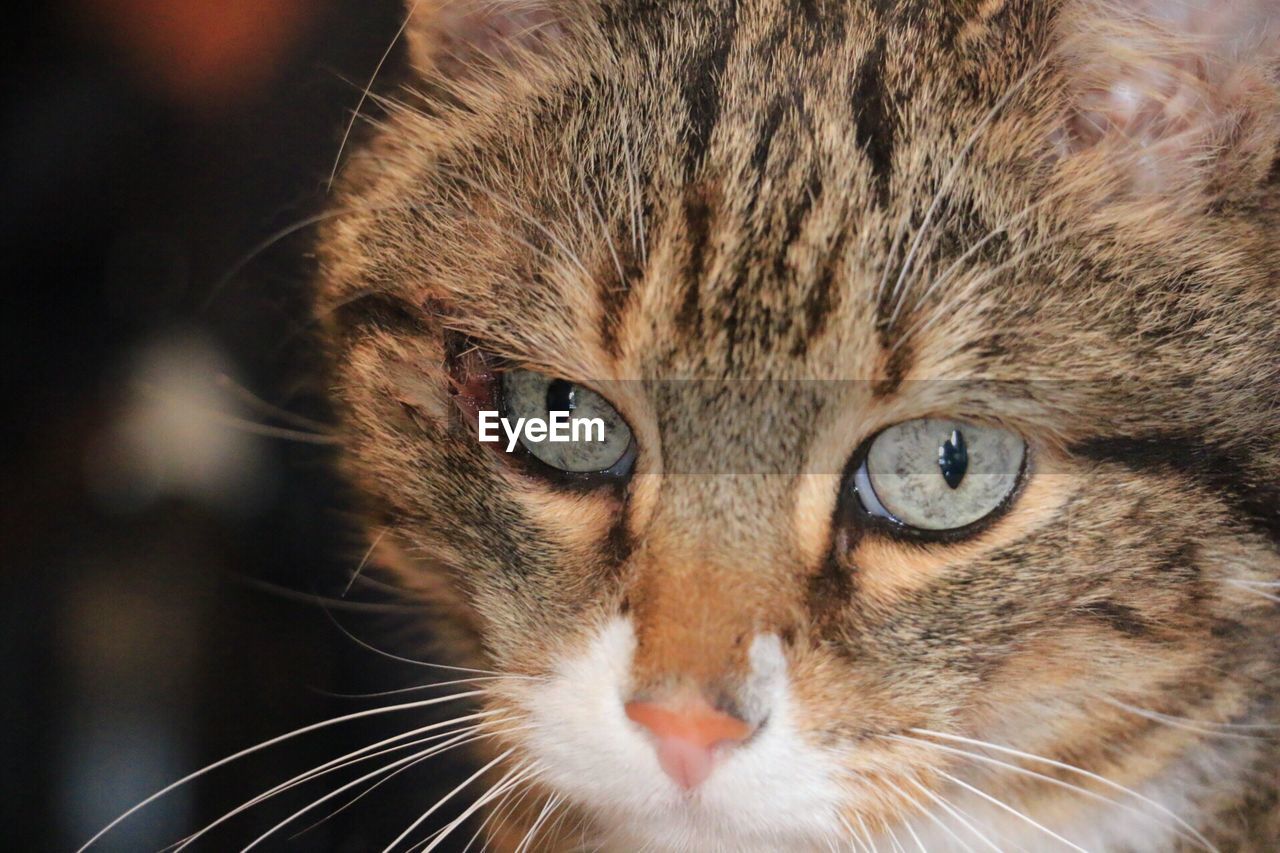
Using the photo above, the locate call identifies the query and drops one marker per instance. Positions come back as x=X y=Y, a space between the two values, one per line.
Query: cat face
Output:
x=938 y=348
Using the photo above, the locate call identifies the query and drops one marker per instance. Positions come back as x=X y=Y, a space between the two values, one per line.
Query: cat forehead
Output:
x=732 y=175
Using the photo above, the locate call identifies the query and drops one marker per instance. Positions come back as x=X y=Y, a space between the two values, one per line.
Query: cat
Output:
x=939 y=346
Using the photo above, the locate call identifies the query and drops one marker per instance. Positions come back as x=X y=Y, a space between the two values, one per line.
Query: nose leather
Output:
x=688 y=736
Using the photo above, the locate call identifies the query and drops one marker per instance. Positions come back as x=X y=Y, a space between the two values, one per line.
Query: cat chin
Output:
x=776 y=792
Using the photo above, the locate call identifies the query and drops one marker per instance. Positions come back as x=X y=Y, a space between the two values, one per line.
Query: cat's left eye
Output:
x=938 y=475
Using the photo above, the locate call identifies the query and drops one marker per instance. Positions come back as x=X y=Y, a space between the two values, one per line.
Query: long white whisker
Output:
x=364 y=96
x=854 y=843
x=363 y=754
x=446 y=798
x=411 y=661
x=907 y=824
x=1253 y=589
x=459 y=739
x=1073 y=769
x=418 y=688
x=866 y=833
x=364 y=561
x=960 y=816
x=358 y=715
x=1011 y=810
x=1032 y=774
x=553 y=802
x=1208 y=729
x=226 y=383
x=408 y=760
x=927 y=812
x=267 y=243
x=512 y=778
x=509 y=804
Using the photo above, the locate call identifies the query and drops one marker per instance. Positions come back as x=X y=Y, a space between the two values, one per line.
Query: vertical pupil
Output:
x=953 y=459
x=562 y=396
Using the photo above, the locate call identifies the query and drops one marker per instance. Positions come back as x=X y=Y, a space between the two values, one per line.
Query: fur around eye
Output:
x=938 y=475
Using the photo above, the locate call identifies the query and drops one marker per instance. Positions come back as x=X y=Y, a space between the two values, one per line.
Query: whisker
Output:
x=446 y=798
x=411 y=661
x=357 y=756
x=462 y=739
x=907 y=824
x=548 y=809
x=926 y=812
x=507 y=782
x=1216 y=725
x=406 y=761
x=313 y=727
x=854 y=843
x=866 y=834
x=382 y=694
x=1250 y=588
x=364 y=561
x=346 y=135
x=315 y=599
x=954 y=170
x=235 y=422
x=267 y=243
x=953 y=810
x=1011 y=810
x=247 y=397
x=1022 y=771
x=1209 y=729
x=509 y=804
x=1073 y=769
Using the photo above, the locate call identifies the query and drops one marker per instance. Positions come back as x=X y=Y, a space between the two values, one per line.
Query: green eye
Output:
x=598 y=439
x=939 y=475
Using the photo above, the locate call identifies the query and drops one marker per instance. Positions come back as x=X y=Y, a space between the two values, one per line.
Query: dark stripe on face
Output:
x=702 y=86
x=822 y=299
x=875 y=129
x=768 y=128
x=615 y=290
x=697 y=216
x=895 y=371
x=1121 y=617
x=1254 y=495
x=797 y=214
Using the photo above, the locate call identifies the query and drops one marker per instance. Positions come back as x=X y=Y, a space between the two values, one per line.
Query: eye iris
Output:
x=562 y=396
x=953 y=459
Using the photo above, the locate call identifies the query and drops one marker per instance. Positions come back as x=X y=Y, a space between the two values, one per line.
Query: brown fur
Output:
x=732 y=191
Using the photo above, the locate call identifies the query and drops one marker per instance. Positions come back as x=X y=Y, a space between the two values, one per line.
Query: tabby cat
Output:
x=937 y=345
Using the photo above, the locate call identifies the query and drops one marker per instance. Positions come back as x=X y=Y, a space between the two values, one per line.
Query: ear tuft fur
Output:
x=455 y=39
x=1181 y=92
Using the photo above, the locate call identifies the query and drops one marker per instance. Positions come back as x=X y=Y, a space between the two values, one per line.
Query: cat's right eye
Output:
x=599 y=440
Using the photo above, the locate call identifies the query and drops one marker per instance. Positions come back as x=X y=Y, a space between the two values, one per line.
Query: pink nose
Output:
x=688 y=736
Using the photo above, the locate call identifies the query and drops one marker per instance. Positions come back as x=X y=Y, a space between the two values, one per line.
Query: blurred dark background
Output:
x=175 y=545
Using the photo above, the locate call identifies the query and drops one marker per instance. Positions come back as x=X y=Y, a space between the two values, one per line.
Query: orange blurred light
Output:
x=200 y=52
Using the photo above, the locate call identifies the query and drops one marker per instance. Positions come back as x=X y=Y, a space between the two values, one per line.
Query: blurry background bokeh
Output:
x=175 y=545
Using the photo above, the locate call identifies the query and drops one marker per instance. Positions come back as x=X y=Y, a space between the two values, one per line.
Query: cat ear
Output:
x=1179 y=94
x=455 y=39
